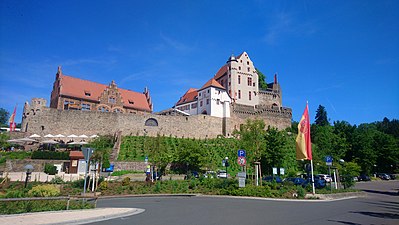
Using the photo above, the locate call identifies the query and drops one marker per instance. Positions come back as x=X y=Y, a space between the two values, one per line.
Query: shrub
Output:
x=103 y=186
x=57 y=180
x=125 y=181
x=46 y=190
x=50 y=169
x=50 y=155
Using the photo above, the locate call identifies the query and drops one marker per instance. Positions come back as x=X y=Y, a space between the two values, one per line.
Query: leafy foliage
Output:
x=4 y=116
x=321 y=116
x=261 y=80
x=50 y=169
x=47 y=190
x=50 y=155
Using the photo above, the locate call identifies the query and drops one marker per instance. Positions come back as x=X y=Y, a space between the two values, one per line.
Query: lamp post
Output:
x=226 y=163
x=29 y=169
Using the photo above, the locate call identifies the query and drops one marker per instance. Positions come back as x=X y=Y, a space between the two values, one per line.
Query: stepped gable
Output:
x=212 y=83
x=189 y=96
x=78 y=88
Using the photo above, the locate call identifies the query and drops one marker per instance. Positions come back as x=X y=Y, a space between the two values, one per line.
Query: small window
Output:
x=249 y=81
x=199 y=94
x=85 y=107
x=131 y=102
x=247 y=62
x=200 y=103
x=207 y=101
x=249 y=69
x=239 y=68
x=208 y=91
x=112 y=100
x=250 y=96
x=239 y=79
x=217 y=101
x=87 y=93
x=239 y=94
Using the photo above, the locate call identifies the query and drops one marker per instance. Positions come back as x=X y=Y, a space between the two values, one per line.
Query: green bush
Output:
x=103 y=186
x=57 y=180
x=40 y=206
x=50 y=155
x=50 y=169
x=47 y=190
x=125 y=181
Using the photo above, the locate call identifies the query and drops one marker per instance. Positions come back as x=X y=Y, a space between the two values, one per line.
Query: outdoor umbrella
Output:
x=72 y=136
x=83 y=136
x=15 y=141
x=34 y=136
x=49 y=142
x=94 y=136
x=27 y=140
x=59 y=136
x=48 y=136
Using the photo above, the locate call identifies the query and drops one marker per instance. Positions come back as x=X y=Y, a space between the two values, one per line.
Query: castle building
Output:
x=235 y=85
x=70 y=93
x=217 y=108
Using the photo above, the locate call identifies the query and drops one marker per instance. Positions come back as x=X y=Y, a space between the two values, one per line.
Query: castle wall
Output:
x=53 y=121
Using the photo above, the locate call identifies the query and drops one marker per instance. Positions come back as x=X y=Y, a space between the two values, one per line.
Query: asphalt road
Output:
x=381 y=206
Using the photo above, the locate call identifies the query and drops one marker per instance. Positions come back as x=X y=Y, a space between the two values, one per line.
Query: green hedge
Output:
x=50 y=155
x=40 y=206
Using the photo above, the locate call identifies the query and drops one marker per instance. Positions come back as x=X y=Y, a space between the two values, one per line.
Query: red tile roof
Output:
x=189 y=96
x=221 y=72
x=212 y=82
x=75 y=87
x=76 y=154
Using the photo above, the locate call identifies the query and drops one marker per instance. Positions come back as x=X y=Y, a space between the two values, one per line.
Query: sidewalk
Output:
x=69 y=217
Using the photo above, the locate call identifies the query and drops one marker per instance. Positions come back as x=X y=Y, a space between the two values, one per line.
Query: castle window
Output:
x=239 y=68
x=103 y=109
x=131 y=102
x=207 y=101
x=85 y=107
x=217 y=101
x=200 y=103
x=249 y=69
x=247 y=62
x=249 y=81
x=250 y=96
x=199 y=94
x=208 y=91
x=112 y=100
x=239 y=94
x=87 y=93
x=254 y=84
x=194 y=105
x=151 y=122
x=239 y=79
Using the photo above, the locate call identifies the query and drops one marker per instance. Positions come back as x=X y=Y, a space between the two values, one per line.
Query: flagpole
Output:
x=311 y=167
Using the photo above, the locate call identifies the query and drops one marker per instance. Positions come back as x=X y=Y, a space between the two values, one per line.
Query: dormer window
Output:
x=131 y=102
x=87 y=93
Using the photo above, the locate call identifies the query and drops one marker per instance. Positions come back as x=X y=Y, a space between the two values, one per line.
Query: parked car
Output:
x=318 y=183
x=392 y=176
x=277 y=179
x=325 y=177
x=364 y=177
x=222 y=174
x=383 y=176
x=210 y=174
x=295 y=180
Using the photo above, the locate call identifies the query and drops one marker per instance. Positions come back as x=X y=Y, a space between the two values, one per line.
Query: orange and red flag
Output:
x=303 y=142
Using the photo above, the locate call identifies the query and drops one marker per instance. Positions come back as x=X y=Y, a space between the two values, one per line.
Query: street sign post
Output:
x=87 y=152
x=329 y=160
x=241 y=153
x=242 y=161
x=241 y=179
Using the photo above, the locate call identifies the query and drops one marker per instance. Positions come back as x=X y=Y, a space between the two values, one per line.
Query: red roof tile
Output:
x=221 y=72
x=75 y=87
x=76 y=154
x=189 y=96
x=212 y=82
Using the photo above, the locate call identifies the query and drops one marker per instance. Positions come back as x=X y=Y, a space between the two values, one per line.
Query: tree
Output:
x=4 y=116
x=274 y=154
x=321 y=116
x=261 y=80
x=252 y=139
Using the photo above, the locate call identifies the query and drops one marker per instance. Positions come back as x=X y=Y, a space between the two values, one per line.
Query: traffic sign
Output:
x=241 y=161
x=241 y=153
x=329 y=160
x=87 y=152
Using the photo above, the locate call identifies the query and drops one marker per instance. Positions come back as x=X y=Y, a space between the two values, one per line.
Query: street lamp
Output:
x=29 y=169
x=226 y=163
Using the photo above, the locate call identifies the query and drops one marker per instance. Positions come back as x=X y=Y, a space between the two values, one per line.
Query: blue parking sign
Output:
x=329 y=159
x=241 y=153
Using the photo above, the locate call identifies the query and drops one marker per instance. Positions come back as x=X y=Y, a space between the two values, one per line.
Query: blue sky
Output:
x=343 y=55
